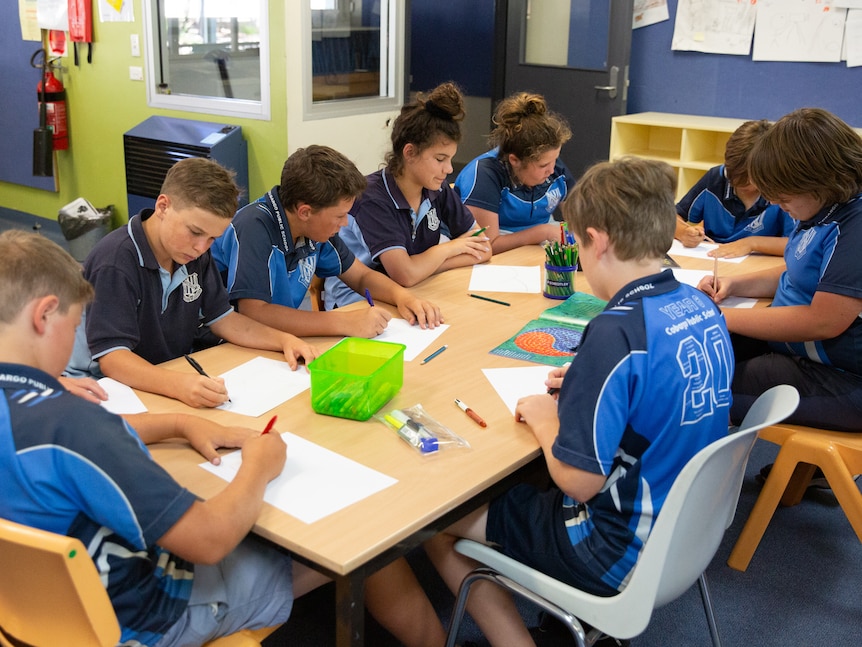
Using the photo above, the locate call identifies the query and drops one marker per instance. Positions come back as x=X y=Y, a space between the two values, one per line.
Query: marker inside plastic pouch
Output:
x=411 y=431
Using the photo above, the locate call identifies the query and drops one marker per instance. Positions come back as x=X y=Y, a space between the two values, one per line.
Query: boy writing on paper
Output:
x=726 y=208
x=274 y=247
x=178 y=570
x=648 y=388
x=156 y=285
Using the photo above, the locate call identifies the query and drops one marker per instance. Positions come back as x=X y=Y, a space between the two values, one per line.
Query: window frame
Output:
x=228 y=107
x=393 y=15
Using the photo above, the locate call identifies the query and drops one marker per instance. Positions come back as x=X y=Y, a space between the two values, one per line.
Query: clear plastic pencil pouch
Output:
x=419 y=430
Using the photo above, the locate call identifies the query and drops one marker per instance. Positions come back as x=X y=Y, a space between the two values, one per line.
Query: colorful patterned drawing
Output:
x=542 y=342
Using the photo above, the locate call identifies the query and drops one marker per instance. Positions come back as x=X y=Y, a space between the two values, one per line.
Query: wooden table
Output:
x=431 y=491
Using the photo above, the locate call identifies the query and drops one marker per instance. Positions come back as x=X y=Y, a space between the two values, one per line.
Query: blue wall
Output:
x=453 y=39
x=734 y=86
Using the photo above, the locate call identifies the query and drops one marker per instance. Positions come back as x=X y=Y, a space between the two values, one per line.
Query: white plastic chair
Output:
x=698 y=509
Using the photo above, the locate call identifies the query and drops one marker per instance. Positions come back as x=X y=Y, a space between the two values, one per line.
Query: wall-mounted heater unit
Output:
x=154 y=145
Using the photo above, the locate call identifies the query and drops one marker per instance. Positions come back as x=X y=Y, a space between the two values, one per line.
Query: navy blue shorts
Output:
x=829 y=398
x=527 y=524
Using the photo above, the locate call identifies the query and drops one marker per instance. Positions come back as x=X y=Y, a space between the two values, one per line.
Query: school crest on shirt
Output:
x=755 y=225
x=804 y=241
x=306 y=267
x=432 y=219
x=554 y=195
x=191 y=288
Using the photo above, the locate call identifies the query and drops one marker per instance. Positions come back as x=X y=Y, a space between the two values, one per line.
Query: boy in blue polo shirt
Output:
x=178 y=570
x=648 y=389
x=157 y=285
x=274 y=247
x=726 y=208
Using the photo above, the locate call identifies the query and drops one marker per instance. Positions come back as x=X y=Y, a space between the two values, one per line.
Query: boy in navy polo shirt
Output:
x=274 y=247
x=156 y=285
x=647 y=390
x=726 y=207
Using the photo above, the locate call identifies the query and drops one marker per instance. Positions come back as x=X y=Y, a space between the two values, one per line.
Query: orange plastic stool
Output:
x=803 y=449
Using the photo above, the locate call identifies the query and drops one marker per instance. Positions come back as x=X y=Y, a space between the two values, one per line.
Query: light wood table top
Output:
x=429 y=489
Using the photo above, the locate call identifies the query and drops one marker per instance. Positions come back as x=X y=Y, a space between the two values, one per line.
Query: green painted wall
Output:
x=103 y=104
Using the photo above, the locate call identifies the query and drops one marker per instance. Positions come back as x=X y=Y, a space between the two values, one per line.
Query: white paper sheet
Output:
x=512 y=384
x=678 y=249
x=693 y=277
x=802 y=30
x=649 y=12
x=121 y=398
x=315 y=482
x=714 y=26
x=261 y=384
x=506 y=278
x=416 y=339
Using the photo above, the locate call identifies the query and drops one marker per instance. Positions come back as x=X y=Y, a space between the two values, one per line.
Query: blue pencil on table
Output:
x=368 y=298
x=434 y=354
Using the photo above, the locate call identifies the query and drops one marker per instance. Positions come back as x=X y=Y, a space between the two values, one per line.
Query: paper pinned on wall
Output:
x=803 y=30
x=116 y=11
x=649 y=12
x=714 y=26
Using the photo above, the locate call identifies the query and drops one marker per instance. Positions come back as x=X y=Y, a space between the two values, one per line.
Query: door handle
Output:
x=611 y=89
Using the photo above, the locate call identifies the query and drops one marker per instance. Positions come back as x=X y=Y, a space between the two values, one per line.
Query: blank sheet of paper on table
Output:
x=512 y=384
x=415 y=338
x=261 y=384
x=315 y=482
x=506 y=278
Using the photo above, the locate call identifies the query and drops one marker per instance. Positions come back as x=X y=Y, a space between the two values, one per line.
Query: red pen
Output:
x=475 y=416
x=269 y=425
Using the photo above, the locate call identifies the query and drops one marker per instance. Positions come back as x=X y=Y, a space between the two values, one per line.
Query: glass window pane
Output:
x=346 y=45
x=566 y=33
x=210 y=48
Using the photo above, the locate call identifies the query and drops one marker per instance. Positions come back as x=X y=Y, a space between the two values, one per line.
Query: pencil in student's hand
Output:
x=715 y=274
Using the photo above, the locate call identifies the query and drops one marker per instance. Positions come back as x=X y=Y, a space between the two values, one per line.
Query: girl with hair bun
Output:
x=515 y=187
x=409 y=223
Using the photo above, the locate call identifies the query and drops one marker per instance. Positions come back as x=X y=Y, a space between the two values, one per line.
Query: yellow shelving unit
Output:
x=689 y=143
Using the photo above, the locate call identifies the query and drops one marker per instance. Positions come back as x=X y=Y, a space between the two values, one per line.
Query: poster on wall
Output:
x=53 y=14
x=649 y=12
x=803 y=30
x=714 y=26
x=853 y=38
x=116 y=11
x=28 y=20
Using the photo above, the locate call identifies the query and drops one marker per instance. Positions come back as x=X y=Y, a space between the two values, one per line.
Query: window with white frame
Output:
x=356 y=56
x=208 y=56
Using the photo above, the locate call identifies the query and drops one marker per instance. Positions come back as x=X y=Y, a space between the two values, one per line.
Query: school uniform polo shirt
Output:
x=487 y=182
x=70 y=467
x=141 y=307
x=386 y=220
x=260 y=260
x=648 y=388
x=823 y=255
x=713 y=202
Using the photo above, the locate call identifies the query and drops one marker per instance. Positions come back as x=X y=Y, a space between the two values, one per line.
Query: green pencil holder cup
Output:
x=559 y=281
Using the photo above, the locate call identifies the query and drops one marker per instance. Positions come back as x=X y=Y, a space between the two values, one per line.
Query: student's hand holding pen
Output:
x=364 y=322
x=203 y=391
x=264 y=455
x=692 y=236
x=555 y=379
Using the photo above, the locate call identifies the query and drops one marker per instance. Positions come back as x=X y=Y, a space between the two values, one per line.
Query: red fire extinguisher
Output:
x=54 y=95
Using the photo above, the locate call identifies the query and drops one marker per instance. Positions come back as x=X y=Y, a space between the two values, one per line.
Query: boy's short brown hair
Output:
x=632 y=199
x=32 y=267
x=204 y=184
x=809 y=151
x=738 y=148
x=320 y=177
